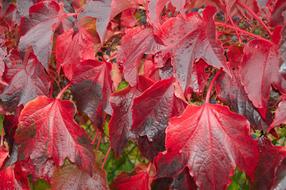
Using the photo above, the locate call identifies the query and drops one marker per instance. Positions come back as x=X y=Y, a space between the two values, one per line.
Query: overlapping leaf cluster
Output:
x=199 y=87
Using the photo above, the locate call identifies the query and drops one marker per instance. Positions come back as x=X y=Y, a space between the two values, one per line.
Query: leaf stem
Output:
x=255 y=16
x=105 y=157
x=236 y=31
x=63 y=90
x=27 y=55
x=211 y=86
x=242 y=31
x=98 y=142
x=149 y=167
x=95 y=136
x=71 y=14
x=2 y=137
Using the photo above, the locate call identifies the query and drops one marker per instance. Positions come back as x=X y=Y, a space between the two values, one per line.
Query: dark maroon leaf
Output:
x=150 y=149
x=152 y=109
x=92 y=88
x=121 y=119
x=184 y=182
x=161 y=183
x=270 y=158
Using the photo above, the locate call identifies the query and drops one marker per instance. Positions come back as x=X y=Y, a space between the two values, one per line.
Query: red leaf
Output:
x=104 y=11
x=92 y=88
x=38 y=28
x=259 y=69
x=13 y=178
x=121 y=119
x=71 y=178
x=3 y=155
x=134 y=44
x=184 y=182
x=152 y=109
x=211 y=141
x=26 y=82
x=190 y=39
x=278 y=12
x=48 y=123
x=128 y=18
x=150 y=149
x=2 y=64
x=270 y=159
x=155 y=8
x=24 y=6
x=139 y=181
x=40 y=168
x=231 y=91
x=199 y=76
x=232 y=8
x=280 y=116
x=73 y=47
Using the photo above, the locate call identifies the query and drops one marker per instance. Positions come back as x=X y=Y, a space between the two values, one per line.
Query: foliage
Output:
x=142 y=94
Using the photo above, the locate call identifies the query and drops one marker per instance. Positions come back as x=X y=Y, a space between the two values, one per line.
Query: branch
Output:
x=242 y=31
x=255 y=16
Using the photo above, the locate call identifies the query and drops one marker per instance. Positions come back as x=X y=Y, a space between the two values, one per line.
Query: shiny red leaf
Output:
x=258 y=70
x=37 y=29
x=211 y=141
x=134 y=44
x=48 y=123
x=139 y=181
x=72 y=48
